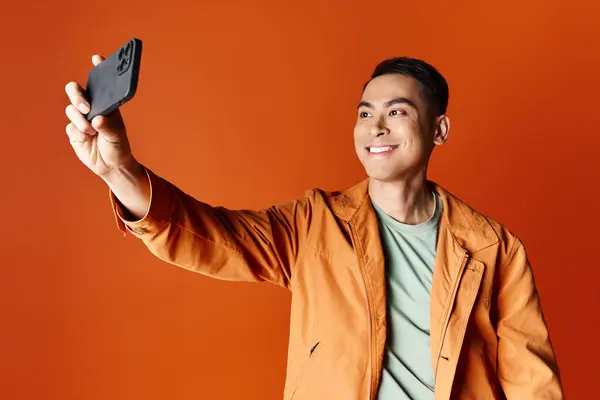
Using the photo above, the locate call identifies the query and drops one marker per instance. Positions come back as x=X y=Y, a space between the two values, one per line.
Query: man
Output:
x=400 y=290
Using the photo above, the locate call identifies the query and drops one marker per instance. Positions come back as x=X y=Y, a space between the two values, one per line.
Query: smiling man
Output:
x=401 y=118
x=400 y=290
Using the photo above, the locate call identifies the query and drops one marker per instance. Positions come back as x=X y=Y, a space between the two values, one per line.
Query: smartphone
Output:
x=114 y=81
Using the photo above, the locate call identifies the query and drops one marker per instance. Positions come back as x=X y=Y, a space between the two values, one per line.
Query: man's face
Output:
x=393 y=113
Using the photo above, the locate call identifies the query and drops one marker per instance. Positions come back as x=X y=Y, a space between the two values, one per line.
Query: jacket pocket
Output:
x=311 y=355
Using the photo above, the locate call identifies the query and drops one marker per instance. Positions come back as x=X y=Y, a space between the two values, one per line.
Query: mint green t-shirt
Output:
x=409 y=252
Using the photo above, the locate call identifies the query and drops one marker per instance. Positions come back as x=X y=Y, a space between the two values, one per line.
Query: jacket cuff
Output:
x=157 y=215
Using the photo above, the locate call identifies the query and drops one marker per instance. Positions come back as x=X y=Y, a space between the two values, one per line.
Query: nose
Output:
x=379 y=128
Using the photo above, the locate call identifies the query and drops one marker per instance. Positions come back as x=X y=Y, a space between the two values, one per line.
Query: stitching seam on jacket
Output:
x=309 y=235
x=511 y=254
x=232 y=249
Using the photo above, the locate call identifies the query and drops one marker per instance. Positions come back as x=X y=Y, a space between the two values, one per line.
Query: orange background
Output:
x=247 y=104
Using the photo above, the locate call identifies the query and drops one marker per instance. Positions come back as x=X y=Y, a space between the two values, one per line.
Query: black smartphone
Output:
x=114 y=81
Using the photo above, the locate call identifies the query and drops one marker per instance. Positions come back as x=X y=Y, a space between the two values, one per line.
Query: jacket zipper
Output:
x=447 y=319
x=370 y=330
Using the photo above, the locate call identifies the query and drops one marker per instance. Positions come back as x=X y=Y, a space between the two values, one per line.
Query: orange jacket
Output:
x=489 y=339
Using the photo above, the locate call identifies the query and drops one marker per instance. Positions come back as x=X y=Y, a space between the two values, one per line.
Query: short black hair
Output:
x=433 y=83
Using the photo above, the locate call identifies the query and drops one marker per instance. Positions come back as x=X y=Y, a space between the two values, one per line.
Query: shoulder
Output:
x=472 y=224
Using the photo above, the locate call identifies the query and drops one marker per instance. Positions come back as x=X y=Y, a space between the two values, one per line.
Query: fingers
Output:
x=75 y=135
x=75 y=93
x=78 y=120
x=79 y=129
x=97 y=59
x=104 y=126
x=99 y=123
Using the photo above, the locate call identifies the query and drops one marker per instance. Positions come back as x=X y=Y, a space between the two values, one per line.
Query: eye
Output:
x=397 y=112
x=363 y=114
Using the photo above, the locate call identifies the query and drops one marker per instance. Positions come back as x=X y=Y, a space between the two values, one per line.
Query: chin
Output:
x=394 y=170
x=383 y=176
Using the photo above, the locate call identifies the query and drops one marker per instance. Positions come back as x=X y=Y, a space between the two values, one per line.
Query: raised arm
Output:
x=241 y=245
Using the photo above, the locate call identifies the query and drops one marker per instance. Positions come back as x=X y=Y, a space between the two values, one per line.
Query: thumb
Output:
x=103 y=126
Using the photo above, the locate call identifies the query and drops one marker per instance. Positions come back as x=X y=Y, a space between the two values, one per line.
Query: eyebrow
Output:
x=397 y=100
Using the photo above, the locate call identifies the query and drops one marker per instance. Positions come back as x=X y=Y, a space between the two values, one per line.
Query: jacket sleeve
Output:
x=237 y=245
x=527 y=366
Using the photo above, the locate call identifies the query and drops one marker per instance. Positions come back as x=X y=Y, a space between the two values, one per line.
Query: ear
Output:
x=442 y=128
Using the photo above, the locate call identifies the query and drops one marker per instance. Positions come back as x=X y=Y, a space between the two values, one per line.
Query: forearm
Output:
x=527 y=365
x=131 y=187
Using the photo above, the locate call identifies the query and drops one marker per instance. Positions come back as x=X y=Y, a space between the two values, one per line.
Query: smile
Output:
x=381 y=150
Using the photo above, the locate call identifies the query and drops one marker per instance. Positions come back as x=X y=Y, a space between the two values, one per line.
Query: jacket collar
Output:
x=470 y=229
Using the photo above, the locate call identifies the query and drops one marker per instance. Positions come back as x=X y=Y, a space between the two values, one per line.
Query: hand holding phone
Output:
x=96 y=130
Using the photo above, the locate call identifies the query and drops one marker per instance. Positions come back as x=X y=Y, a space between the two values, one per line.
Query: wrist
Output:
x=131 y=170
x=131 y=186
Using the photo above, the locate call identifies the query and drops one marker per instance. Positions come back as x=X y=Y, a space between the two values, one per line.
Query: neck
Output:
x=409 y=201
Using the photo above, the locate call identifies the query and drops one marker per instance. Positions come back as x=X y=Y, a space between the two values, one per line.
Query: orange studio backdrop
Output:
x=250 y=103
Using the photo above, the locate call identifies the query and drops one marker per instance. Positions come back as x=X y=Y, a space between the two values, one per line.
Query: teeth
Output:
x=379 y=149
